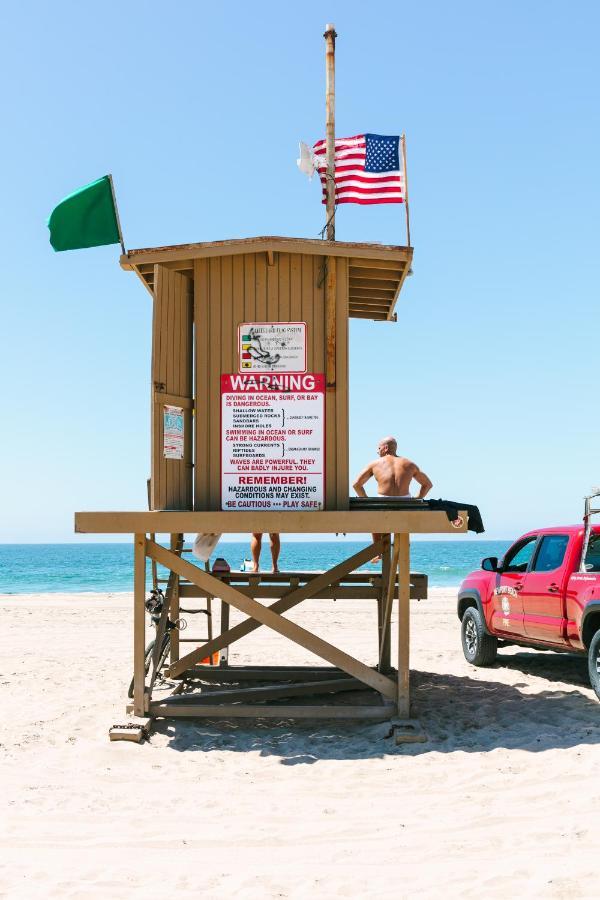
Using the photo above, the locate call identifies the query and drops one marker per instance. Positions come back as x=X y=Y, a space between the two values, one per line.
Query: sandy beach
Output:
x=501 y=801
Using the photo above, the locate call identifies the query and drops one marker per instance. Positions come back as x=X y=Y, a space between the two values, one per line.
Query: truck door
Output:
x=543 y=590
x=507 y=605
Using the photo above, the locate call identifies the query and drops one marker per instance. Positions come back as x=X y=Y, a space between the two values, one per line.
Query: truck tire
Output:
x=594 y=663
x=479 y=647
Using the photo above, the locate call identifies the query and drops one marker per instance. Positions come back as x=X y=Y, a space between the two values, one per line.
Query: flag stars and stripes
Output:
x=367 y=169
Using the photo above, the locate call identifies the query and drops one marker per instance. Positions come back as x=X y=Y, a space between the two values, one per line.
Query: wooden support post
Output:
x=152 y=536
x=384 y=642
x=331 y=313
x=390 y=590
x=209 y=626
x=224 y=624
x=403 y=541
x=139 y=623
x=177 y=546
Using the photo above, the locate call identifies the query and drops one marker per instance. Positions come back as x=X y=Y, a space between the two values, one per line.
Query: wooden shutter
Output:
x=172 y=367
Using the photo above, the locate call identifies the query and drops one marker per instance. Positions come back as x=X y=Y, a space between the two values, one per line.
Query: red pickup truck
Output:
x=544 y=593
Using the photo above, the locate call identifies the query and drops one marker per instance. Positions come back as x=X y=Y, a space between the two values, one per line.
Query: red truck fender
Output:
x=470 y=597
x=590 y=622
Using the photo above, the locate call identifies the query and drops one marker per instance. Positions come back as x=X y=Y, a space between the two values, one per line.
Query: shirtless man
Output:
x=393 y=475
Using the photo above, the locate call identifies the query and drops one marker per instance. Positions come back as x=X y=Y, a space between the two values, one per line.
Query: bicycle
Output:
x=155 y=604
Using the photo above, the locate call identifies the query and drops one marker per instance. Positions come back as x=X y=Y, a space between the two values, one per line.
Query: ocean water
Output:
x=51 y=568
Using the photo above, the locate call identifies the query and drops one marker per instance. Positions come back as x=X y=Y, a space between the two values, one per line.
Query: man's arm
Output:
x=362 y=479
x=425 y=483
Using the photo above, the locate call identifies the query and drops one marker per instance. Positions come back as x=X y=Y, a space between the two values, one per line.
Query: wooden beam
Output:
x=403 y=541
x=293 y=598
x=376 y=712
x=356 y=251
x=374 y=284
x=139 y=623
x=183 y=268
x=373 y=316
x=358 y=303
x=417 y=521
x=364 y=263
x=366 y=271
x=407 y=269
x=348 y=592
x=236 y=674
x=276 y=691
x=266 y=616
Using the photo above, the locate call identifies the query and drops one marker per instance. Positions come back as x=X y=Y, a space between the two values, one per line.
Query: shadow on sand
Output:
x=458 y=713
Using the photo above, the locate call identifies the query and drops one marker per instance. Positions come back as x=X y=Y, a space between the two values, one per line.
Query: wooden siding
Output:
x=172 y=367
x=229 y=290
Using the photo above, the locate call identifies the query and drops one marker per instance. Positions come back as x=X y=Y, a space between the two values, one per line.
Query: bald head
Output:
x=387 y=445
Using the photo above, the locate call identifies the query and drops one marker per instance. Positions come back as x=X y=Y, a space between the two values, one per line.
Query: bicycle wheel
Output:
x=166 y=646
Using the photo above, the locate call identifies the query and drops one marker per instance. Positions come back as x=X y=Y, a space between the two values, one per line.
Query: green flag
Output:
x=86 y=218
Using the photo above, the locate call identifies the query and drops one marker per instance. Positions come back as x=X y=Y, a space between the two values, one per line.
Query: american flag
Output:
x=367 y=169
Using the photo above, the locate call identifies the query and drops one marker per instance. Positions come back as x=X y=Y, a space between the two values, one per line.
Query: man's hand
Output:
x=362 y=479
x=425 y=483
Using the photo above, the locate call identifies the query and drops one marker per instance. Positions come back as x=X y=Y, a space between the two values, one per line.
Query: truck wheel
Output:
x=479 y=647
x=594 y=663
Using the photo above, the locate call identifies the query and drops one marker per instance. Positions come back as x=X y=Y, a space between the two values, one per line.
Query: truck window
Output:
x=592 y=557
x=551 y=552
x=518 y=557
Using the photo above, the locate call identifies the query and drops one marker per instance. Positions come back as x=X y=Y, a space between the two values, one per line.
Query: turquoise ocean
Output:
x=51 y=568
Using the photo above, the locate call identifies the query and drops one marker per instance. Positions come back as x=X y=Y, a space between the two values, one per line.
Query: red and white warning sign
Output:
x=272 y=441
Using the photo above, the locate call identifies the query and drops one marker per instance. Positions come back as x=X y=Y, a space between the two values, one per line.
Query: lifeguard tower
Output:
x=227 y=457
x=250 y=434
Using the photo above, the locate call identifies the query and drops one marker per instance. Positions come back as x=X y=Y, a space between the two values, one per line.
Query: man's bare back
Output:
x=392 y=473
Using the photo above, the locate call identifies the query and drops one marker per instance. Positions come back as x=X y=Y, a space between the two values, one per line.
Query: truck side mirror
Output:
x=490 y=564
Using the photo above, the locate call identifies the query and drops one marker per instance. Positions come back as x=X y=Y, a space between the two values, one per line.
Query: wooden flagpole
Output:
x=330 y=285
x=403 y=141
x=112 y=187
x=330 y=37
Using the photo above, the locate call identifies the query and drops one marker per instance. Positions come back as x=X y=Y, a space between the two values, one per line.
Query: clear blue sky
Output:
x=196 y=109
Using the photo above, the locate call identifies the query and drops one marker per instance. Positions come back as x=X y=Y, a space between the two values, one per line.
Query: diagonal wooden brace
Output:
x=282 y=605
x=273 y=620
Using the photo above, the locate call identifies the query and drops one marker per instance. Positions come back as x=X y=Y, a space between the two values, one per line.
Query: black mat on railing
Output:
x=450 y=507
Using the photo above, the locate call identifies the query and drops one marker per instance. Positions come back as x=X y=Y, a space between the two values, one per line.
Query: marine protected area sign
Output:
x=173 y=432
x=272 y=347
x=272 y=441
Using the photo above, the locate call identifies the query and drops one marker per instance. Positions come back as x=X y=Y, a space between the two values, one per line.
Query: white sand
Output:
x=503 y=801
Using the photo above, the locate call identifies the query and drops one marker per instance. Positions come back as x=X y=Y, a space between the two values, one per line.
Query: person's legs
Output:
x=255 y=548
x=275 y=548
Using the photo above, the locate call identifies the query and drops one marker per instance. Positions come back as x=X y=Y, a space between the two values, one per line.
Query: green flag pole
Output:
x=112 y=188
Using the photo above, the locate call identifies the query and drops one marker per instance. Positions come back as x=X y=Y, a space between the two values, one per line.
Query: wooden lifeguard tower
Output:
x=206 y=299
x=250 y=434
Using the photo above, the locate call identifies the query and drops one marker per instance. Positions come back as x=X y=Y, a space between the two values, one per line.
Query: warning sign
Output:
x=272 y=347
x=272 y=437
x=173 y=432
